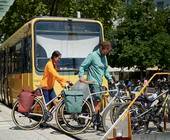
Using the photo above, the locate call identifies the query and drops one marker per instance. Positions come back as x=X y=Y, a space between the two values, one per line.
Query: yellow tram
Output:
x=25 y=53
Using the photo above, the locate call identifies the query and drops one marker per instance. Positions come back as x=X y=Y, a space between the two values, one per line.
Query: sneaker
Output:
x=96 y=121
x=44 y=125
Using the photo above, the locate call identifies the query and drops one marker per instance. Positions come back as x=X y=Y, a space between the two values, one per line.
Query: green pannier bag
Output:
x=73 y=101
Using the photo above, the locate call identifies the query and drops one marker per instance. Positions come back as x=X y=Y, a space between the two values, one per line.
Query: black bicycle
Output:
x=145 y=111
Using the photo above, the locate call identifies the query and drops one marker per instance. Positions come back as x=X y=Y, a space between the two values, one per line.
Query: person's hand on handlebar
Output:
x=70 y=83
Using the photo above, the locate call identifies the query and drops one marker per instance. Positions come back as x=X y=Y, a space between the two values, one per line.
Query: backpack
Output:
x=26 y=100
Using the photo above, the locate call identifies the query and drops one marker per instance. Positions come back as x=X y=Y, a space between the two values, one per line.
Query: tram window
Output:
x=26 y=55
x=18 y=58
x=13 y=60
x=9 y=61
x=70 y=63
x=41 y=57
x=11 y=55
x=3 y=63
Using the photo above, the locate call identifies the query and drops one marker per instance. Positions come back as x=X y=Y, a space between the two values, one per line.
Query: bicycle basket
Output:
x=73 y=101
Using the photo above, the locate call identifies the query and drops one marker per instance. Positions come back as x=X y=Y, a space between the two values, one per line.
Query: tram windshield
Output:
x=74 y=39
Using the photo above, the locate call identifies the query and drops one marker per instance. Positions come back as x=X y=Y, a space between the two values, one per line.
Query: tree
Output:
x=19 y=13
x=101 y=10
x=22 y=11
x=161 y=43
x=139 y=37
x=141 y=30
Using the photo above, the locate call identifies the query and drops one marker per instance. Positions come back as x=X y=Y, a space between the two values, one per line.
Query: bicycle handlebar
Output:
x=87 y=82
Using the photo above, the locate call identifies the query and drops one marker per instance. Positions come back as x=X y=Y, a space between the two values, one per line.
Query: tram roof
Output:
x=24 y=29
x=4 y=6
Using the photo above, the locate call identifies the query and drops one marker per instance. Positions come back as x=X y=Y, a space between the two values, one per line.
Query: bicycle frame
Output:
x=154 y=102
x=88 y=113
x=118 y=92
x=52 y=110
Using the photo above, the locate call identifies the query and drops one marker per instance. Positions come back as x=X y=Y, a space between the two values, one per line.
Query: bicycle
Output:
x=37 y=115
x=75 y=123
x=119 y=96
x=144 y=111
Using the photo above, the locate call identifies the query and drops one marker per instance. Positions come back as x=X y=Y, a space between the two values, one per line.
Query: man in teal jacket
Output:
x=96 y=67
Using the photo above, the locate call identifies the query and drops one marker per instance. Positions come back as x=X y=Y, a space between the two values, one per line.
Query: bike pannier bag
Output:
x=26 y=99
x=73 y=101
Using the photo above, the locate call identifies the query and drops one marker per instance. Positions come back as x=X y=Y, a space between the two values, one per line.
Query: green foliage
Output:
x=102 y=10
x=19 y=13
x=161 y=47
x=142 y=37
x=23 y=10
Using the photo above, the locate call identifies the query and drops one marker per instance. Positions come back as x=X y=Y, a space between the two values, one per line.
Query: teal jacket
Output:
x=96 y=66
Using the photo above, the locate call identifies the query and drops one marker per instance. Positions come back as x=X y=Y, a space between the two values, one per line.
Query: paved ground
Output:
x=10 y=132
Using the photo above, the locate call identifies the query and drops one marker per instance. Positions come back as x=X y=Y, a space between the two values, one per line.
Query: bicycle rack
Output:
x=125 y=114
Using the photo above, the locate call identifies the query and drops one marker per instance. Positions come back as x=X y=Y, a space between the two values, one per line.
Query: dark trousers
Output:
x=48 y=94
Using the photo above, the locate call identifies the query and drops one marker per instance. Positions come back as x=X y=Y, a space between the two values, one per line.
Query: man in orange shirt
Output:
x=50 y=76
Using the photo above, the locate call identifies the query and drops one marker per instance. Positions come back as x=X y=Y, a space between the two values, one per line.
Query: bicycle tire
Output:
x=34 y=117
x=107 y=117
x=135 y=124
x=78 y=124
x=161 y=127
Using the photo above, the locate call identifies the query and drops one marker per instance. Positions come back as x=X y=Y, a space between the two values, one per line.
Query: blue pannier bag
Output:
x=73 y=101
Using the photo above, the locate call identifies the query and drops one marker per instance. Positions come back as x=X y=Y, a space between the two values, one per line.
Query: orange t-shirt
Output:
x=50 y=75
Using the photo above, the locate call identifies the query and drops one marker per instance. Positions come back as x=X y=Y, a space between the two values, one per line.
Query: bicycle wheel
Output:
x=109 y=117
x=165 y=115
x=29 y=120
x=73 y=123
x=137 y=123
x=160 y=118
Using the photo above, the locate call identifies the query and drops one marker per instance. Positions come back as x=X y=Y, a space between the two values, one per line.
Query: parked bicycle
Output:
x=75 y=123
x=37 y=114
x=147 y=110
